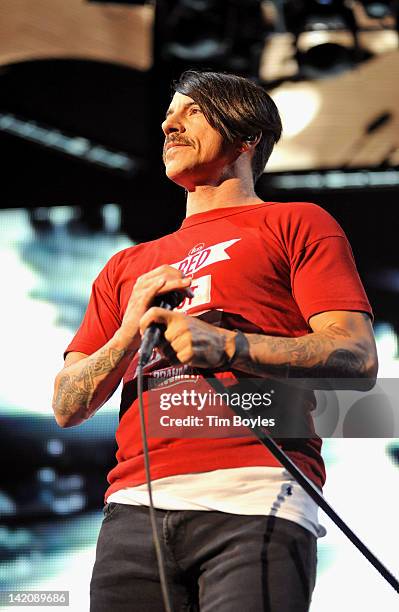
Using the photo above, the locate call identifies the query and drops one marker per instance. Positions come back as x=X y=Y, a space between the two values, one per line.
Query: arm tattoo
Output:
x=75 y=391
x=302 y=357
x=342 y=363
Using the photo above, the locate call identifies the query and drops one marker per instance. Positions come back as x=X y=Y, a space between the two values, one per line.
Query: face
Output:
x=194 y=152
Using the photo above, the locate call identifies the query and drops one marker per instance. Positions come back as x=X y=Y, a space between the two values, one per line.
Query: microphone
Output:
x=153 y=334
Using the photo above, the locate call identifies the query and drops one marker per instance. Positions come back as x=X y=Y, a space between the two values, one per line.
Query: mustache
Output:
x=177 y=140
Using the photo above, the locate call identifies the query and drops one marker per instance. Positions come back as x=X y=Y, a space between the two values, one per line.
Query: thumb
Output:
x=155 y=315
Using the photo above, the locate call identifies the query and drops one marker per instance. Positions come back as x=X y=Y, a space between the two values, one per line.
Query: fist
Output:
x=193 y=341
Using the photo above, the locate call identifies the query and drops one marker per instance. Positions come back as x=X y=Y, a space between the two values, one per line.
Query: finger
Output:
x=185 y=356
x=147 y=293
x=165 y=284
x=155 y=315
x=168 y=352
x=179 y=337
x=177 y=283
x=168 y=270
x=165 y=271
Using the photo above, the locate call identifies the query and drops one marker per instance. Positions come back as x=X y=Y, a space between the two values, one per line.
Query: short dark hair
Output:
x=237 y=108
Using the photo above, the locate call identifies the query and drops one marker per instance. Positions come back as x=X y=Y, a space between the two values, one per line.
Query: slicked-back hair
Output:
x=237 y=108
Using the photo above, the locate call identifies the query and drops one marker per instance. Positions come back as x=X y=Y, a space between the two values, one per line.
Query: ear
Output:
x=250 y=142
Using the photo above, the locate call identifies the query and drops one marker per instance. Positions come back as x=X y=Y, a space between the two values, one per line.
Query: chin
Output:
x=176 y=175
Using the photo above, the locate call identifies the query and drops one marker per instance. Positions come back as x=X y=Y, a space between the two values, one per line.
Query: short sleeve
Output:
x=322 y=267
x=102 y=318
x=324 y=277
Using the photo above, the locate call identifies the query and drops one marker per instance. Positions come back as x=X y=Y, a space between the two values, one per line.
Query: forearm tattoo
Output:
x=314 y=355
x=75 y=391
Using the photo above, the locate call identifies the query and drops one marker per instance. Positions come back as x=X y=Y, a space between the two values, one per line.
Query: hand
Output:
x=156 y=282
x=194 y=342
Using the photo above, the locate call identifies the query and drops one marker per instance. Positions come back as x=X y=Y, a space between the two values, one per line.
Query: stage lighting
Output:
x=377 y=10
x=315 y=15
x=194 y=29
x=325 y=37
x=326 y=60
x=221 y=35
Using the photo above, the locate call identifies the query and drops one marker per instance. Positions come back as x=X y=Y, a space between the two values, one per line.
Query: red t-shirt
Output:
x=265 y=268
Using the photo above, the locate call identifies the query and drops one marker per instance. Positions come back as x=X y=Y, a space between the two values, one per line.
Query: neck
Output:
x=231 y=192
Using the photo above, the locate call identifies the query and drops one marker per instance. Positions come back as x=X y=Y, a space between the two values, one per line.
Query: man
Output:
x=276 y=292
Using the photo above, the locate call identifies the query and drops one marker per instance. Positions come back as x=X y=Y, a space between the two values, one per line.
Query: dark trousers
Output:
x=215 y=562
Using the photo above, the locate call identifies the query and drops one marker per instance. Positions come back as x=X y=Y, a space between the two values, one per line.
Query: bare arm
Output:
x=341 y=346
x=86 y=382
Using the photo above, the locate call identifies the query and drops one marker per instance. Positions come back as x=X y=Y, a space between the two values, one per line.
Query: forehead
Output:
x=179 y=101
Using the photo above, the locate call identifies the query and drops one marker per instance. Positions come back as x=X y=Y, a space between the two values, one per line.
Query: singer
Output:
x=275 y=292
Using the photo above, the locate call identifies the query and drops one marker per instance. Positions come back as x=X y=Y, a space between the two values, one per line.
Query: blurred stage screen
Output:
x=65 y=156
x=53 y=480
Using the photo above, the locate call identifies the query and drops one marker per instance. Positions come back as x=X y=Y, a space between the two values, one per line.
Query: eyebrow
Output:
x=185 y=106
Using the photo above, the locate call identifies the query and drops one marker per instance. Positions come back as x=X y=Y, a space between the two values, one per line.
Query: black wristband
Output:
x=240 y=344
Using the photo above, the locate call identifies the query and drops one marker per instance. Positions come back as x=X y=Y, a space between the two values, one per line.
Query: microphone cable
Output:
x=151 y=338
x=155 y=536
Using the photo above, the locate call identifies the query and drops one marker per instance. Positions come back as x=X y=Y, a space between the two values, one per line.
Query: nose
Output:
x=172 y=124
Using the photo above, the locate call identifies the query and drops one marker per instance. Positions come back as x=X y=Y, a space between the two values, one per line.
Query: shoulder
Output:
x=303 y=222
x=126 y=257
x=117 y=262
x=302 y=212
x=129 y=258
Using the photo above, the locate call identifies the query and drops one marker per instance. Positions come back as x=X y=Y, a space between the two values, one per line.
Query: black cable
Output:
x=155 y=536
x=308 y=486
x=151 y=338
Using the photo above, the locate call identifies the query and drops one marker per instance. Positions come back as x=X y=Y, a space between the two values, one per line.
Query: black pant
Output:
x=215 y=562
